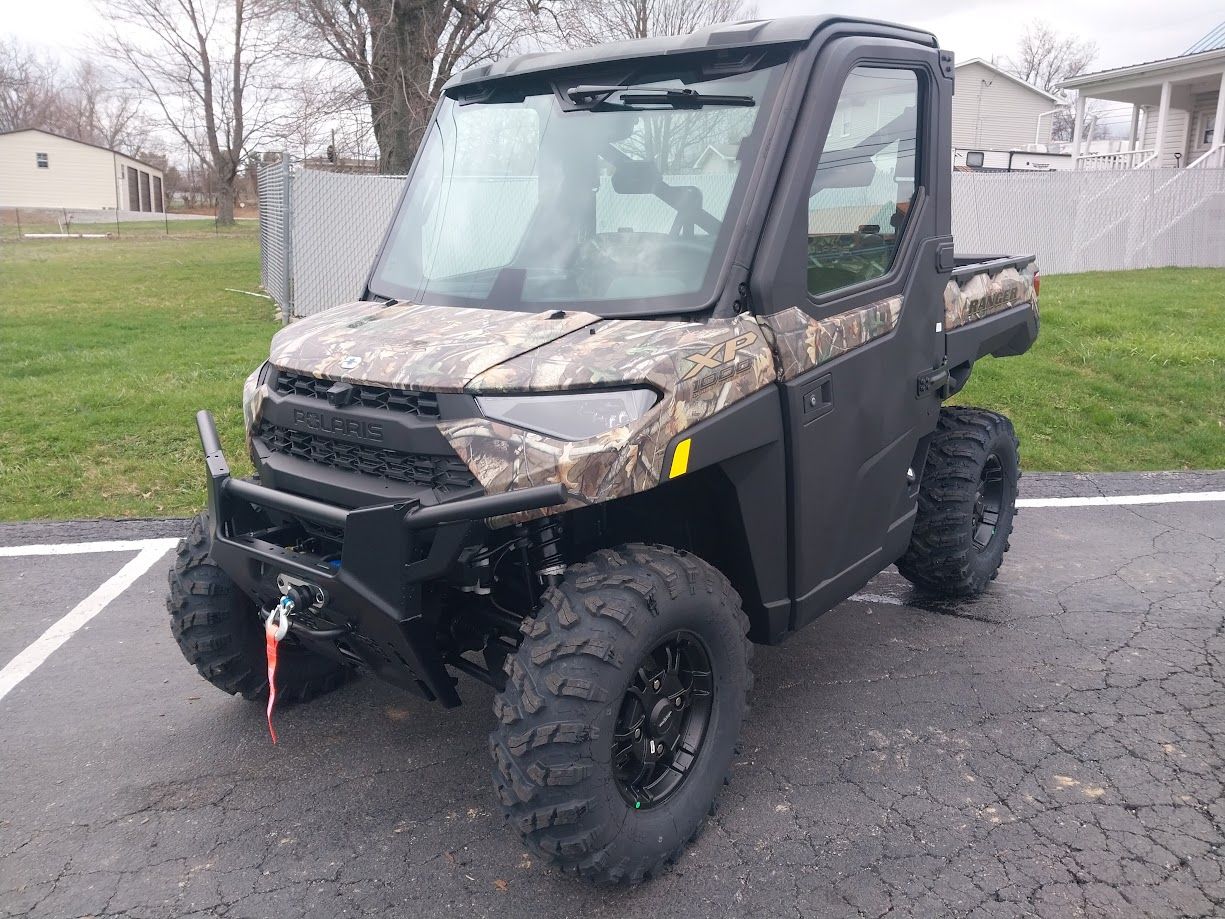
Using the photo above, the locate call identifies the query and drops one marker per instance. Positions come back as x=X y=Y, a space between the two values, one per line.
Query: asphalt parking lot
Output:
x=1054 y=749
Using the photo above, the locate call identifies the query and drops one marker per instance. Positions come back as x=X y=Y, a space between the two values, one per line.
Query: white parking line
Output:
x=29 y=660
x=135 y=545
x=150 y=550
x=85 y=548
x=1122 y=500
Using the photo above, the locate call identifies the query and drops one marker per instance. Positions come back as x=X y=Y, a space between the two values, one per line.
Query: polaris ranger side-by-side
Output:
x=651 y=365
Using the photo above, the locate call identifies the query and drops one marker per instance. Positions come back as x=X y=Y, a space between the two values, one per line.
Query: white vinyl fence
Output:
x=324 y=228
x=338 y=223
x=1094 y=221
x=273 y=182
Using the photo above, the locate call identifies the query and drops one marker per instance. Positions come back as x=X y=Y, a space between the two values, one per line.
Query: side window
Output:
x=40 y=159
x=865 y=179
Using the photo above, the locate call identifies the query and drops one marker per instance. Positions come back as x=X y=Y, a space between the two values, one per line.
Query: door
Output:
x=133 y=189
x=855 y=304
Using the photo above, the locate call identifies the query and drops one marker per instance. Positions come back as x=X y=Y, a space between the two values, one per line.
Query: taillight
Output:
x=1037 y=282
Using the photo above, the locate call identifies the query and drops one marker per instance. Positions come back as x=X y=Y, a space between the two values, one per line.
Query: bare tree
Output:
x=1045 y=58
x=27 y=87
x=355 y=136
x=84 y=103
x=581 y=23
x=202 y=62
x=315 y=101
x=590 y=22
x=403 y=51
x=98 y=108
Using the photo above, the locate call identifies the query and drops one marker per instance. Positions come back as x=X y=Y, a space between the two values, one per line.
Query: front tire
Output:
x=621 y=712
x=217 y=628
x=967 y=502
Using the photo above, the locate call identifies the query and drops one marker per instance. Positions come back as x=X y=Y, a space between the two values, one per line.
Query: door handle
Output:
x=818 y=398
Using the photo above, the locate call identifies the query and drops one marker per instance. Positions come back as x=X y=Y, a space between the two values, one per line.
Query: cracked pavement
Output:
x=1052 y=749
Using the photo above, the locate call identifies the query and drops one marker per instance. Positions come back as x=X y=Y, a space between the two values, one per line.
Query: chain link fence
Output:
x=338 y=223
x=274 y=183
x=319 y=234
x=33 y=224
x=321 y=230
x=1094 y=221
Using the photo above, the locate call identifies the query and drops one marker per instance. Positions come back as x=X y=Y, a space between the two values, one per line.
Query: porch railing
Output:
x=1123 y=159
x=1213 y=159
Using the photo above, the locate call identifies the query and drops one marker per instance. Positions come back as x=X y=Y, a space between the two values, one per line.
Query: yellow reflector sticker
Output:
x=680 y=459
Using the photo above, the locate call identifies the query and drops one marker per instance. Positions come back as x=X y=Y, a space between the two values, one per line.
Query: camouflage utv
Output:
x=650 y=366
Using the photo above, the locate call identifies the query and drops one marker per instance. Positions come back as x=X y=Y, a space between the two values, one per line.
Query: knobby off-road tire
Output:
x=581 y=674
x=218 y=630
x=967 y=502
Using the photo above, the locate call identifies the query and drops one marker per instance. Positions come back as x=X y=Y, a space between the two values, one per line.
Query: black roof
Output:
x=790 y=30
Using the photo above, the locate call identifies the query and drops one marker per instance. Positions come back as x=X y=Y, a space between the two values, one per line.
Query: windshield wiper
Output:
x=678 y=98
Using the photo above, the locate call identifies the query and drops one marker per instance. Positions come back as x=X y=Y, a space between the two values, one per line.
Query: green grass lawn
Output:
x=1128 y=373
x=109 y=347
x=14 y=226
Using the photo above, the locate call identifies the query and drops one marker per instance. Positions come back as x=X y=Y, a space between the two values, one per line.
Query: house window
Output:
x=975 y=159
x=1207 y=130
x=41 y=160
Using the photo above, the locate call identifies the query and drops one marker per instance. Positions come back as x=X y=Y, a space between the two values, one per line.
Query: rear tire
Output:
x=967 y=502
x=217 y=628
x=596 y=665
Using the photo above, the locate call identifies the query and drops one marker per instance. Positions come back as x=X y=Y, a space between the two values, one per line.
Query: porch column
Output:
x=1077 y=118
x=1135 y=127
x=1218 y=130
x=1163 y=117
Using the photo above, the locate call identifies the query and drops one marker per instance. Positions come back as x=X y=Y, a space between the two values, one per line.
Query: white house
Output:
x=717 y=159
x=995 y=115
x=41 y=169
x=995 y=111
x=1177 y=107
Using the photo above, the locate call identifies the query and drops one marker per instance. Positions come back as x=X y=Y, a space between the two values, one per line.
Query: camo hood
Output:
x=697 y=368
x=405 y=346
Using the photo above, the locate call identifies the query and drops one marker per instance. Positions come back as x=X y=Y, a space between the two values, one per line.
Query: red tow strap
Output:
x=275 y=628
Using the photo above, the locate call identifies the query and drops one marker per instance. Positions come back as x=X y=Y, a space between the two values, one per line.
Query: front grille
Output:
x=425 y=404
x=443 y=472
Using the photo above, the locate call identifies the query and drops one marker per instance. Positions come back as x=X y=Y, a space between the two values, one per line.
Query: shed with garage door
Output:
x=39 y=169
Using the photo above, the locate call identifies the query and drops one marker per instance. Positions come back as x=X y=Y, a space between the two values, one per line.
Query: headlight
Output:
x=570 y=416
x=249 y=390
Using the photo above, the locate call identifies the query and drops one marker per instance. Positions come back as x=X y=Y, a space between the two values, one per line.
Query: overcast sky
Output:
x=1126 y=31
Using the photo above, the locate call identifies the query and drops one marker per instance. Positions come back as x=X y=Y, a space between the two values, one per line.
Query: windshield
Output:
x=616 y=203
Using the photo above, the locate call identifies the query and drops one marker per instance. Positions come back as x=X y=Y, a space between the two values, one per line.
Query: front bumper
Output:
x=389 y=554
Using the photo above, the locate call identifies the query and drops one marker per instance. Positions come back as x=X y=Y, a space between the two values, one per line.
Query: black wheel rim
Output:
x=988 y=502
x=663 y=720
